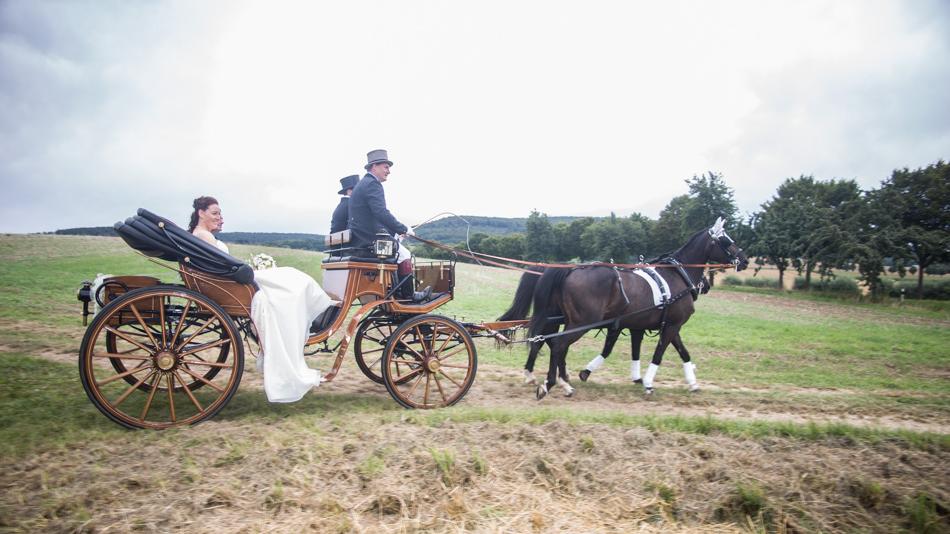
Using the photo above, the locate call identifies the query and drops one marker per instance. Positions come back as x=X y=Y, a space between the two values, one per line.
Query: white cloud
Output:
x=493 y=108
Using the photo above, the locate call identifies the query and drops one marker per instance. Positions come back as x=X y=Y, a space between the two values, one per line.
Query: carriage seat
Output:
x=158 y=237
x=338 y=249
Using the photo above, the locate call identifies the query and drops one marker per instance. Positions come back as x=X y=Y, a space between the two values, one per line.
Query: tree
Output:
x=669 y=231
x=920 y=201
x=540 y=242
x=711 y=198
x=772 y=243
x=570 y=244
x=615 y=239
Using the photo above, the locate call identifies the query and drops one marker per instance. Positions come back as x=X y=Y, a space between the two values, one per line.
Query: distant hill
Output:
x=452 y=229
x=270 y=239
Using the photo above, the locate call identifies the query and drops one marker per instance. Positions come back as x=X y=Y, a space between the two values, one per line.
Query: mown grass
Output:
x=42 y=407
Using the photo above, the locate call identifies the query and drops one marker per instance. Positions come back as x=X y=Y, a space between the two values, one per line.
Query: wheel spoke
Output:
x=205 y=346
x=201 y=379
x=151 y=395
x=189 y=393
x=414 y=386
x=113 y=378
x=129 y=339
x=454 y=366
x=418 y=356
x=407 y=376
x=425 y=395
x=134 y=387
x=444 y=343
x=422 y=341
x=119 y=356
x=200 y=330
x=171 y=397
x=439 y=386
x=449 y=377
x=209 y=364
x=449 y=355
x=161 y=318
x=145 y=328
x=181 y=322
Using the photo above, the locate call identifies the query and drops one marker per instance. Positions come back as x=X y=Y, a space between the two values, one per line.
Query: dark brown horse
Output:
x=595 y=296
x=521 y=307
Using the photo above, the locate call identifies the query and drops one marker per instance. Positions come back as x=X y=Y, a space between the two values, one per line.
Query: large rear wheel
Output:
x=160 y=357
x=429 y=362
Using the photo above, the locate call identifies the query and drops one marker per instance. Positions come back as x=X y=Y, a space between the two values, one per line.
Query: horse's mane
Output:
x=675 y=253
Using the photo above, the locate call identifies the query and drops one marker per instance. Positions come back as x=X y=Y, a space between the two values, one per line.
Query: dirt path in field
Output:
x=501 y=387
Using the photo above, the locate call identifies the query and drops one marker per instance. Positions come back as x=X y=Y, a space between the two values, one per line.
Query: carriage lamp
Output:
x=384 y=246
x=84 y=295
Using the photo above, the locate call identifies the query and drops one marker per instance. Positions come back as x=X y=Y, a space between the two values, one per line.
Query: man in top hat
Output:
x=341 y=215
x=368 y=215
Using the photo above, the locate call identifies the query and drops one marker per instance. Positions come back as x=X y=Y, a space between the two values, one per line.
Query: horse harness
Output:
x=691 y=289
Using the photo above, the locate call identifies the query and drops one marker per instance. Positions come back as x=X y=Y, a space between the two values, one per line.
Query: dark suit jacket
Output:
x=341 y=216
x=368 y=213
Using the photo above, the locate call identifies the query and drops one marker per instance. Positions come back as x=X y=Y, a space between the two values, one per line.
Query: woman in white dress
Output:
x=283 y=308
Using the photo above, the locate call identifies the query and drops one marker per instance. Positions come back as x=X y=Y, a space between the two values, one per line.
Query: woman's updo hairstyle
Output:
x=200 y=203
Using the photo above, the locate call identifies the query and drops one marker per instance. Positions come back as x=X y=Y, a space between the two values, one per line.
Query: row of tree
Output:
x=810 y=225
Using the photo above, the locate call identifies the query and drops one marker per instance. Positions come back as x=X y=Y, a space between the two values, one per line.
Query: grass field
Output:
x=816 y=415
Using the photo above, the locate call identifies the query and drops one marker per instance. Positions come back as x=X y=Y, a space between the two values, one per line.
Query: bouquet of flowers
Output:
x=262 y=261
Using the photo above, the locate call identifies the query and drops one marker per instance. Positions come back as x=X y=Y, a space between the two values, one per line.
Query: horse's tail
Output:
x=522 y=303
x=545 y=305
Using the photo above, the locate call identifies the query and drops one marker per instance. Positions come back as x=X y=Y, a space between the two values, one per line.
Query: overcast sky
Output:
x=486 y=108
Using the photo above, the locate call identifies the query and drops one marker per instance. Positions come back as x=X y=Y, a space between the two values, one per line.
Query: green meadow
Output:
x=824 y=373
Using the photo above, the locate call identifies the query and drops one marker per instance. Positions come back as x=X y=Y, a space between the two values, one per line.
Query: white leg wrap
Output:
x=568 y=389
x=651 y=374
x=689 y=371
x=529 y=377
x=595 y=364
x=635 y=370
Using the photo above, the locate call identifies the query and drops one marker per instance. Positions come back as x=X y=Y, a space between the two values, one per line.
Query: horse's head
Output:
x=723 y=249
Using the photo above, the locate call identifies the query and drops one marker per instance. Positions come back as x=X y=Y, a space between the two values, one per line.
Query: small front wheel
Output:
x=429 y=362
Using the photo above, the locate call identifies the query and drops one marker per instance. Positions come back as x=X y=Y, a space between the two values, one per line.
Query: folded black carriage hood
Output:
x=158 y=237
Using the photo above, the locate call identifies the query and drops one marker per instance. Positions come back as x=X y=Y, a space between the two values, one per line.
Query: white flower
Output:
x=262 y=261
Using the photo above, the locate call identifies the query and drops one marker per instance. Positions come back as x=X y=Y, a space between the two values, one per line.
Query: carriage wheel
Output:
x=370 y=343
x=429 y=362
x=134 y=329
x=169 y=350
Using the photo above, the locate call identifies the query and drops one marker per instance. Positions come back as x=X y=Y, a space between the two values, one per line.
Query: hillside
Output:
x=268 y=239
x=450 y=229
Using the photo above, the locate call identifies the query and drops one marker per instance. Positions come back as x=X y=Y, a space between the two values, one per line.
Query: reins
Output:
x=482 y=257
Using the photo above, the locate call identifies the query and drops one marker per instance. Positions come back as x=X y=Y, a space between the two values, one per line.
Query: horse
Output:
x=520 y=307
x=593 y=296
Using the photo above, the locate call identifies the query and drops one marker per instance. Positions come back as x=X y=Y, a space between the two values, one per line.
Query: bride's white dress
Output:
x=285 y=304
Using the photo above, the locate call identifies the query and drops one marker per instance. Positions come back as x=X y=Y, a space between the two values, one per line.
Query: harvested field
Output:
x=813 y=417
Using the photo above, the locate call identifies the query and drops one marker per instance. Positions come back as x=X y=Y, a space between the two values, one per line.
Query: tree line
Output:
x=809 y=225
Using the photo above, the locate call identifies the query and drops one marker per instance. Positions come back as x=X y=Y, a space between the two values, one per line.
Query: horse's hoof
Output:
x=541 y=392
x=569 y=392
x=693 y=388
x=638 y=381
x=647 y=392
x=584 y=375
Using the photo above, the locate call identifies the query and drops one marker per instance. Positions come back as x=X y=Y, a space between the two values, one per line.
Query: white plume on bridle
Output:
x=718 y=230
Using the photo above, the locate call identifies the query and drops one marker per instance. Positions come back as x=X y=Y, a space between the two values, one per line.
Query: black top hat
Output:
x=348 y=183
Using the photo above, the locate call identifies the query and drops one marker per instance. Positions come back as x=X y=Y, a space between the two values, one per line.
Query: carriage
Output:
x=159 y=355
